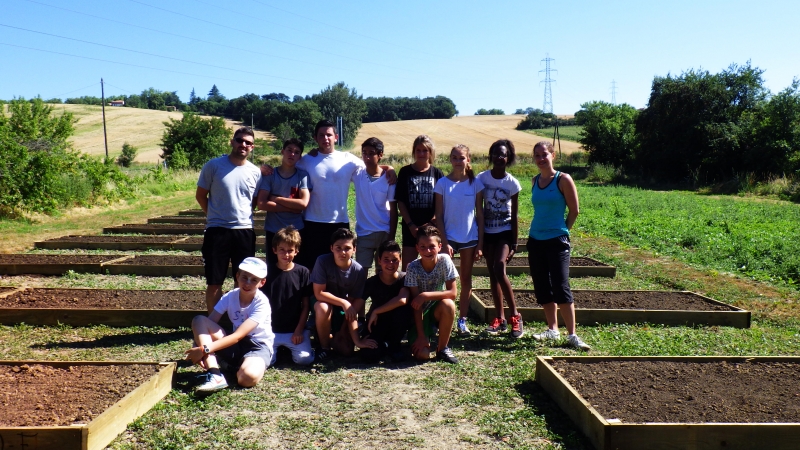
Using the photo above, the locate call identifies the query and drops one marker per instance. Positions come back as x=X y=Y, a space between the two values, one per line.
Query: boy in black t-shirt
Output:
x=288 y=288
x=389 y=315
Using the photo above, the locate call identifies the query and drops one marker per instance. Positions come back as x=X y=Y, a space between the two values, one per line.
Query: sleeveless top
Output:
x=549 y=207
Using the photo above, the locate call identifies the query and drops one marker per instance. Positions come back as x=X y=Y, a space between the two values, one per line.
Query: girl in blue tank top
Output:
x=553 y=194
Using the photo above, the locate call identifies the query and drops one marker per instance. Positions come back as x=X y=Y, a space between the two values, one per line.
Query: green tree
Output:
x=490 y=112
x=127 y=156
x=200 y=139
x=339 y=101
x=33 y=120
x=776 y=135
x=697 y=124
x=215 y=95
x=609 y=132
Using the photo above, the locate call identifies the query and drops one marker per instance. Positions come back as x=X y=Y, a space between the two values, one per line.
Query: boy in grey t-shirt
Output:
x=226 y=191
x=338 y=283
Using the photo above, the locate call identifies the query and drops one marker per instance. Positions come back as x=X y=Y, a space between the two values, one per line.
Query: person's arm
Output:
x=514 y=226
x=299 y=203
x=297 y=336
x=570 y=192
x=421 y=343
x=266 y=170
x=391 y=175
x=406 y=217
x=399 y=300
x=196 y=354
x=201 y=195
x=438 y=221
x=324 y=296
x=392 y=220
x=433 y=296
x=479 y=219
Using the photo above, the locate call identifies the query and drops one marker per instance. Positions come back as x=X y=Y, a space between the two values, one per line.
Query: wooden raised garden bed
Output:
x=76 y=405
x=193 y=220
x=158 y=266
x=679 y=402
x=200 y=213
x=675 y=308
x=580 y=266
x=111 y=242
x=17 y=264
x=164 y=228
x=112 y=307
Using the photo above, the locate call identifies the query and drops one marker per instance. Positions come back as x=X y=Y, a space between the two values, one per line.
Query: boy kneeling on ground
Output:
x=338 y=289
x=249 y=347
x=432 y=282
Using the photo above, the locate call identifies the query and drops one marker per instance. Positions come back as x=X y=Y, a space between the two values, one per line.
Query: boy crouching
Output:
x=249 y=347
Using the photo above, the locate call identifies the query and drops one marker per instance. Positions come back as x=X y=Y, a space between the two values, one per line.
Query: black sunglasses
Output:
x=242 y=141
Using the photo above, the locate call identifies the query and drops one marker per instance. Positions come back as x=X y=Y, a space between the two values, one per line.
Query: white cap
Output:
x=254 y=266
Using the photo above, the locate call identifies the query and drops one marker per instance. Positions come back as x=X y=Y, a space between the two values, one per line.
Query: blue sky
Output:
x=480 y=54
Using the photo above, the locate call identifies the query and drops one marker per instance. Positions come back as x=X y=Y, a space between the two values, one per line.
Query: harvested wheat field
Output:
x=141 y=128
x=477 y=132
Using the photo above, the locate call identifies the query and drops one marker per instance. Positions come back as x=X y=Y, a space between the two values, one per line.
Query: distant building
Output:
x=117 y=103
x=171 y=108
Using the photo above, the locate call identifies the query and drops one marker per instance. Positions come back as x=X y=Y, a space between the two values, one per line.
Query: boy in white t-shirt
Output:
x=249 y=347
x=376 y=209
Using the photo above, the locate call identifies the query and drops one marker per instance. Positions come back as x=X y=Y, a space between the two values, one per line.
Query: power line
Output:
x=548 y=93
x=76 y=90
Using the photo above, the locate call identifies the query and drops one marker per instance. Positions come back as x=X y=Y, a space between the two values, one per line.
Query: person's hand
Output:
x=419 y=345
x=511 y=252
x=350 y=313
x=195 y=354
x=449 y=250
x=413 y=229
x=478 y=254
x=367 y=343
x=313 y=153
x=373 y=318
x=418 y=302
x=267 y=170
x=297 y=338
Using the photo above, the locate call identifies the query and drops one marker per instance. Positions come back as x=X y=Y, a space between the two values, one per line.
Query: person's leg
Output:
x=323 y=315
x=539 y=269
x=568 y=314
x=243 y=245
x=216 y=254
x=367 y=246
x=558 y=257
x=272 y=258
x=302 y=353
x=213 y=294
x=489 y=249
x=251 y=371
x=409 y=246
x=205 y=332
x=343 y=341
x=445 y=314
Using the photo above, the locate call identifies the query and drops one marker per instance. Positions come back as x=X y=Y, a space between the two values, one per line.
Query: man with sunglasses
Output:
x=226 y=191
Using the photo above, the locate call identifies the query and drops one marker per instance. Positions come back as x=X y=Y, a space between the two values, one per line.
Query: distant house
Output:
x=117 y=103
x=171 y=108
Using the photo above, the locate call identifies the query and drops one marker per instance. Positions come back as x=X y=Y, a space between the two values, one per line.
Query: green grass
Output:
x=490 y=400
x=567 y=133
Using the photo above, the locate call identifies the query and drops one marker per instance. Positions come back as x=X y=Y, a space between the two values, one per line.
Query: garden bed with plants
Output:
x=600 y=307
x=75 y=405
x=678 y=402
x=16 y=264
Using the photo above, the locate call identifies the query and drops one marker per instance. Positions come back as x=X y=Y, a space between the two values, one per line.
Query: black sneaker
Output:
x=446 y=355
x=516 y=326
x=324 y=354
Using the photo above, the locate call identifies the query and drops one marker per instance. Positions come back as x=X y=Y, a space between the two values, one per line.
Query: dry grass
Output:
x=477 y=132
x=141 y=128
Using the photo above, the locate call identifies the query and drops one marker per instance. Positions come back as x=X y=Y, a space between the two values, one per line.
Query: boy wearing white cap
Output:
x=249 y=347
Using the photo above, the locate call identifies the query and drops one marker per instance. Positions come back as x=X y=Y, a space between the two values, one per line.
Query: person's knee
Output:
x=447 y=305
x=198 y=323
x=250 y=373
x=321 y=309
x=303 y=358
x=498 y=270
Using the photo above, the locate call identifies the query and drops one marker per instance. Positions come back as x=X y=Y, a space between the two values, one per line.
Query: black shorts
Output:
x=408 y=239
x=225 y=245
x=496 y=238
x=549 y=264
x=245 y=348
x=316 y=241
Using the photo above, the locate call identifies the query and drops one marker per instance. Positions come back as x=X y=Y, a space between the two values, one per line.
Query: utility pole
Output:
x=613 y=92
x=548 y=92
x=340 y=128
x=103 y=104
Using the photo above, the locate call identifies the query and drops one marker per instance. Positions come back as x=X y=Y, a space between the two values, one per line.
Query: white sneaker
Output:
x=574 y=341
x=548 y=335
x=462 y=327
x=215 y=383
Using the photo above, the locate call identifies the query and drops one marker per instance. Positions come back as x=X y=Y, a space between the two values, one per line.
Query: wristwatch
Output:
x=205 y=349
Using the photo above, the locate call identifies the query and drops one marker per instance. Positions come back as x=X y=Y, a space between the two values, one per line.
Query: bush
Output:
x=603 y=173
x=128 y=155
x=490 y=112
x=199 y=139
x=609 y=132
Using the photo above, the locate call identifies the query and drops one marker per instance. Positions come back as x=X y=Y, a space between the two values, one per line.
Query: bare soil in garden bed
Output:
x=688 y=392
x=55 y=259
x=676 y=301
x=150 y=239
x=522 y=261
x=34 y=395
x=161 y=226
x=260 y=240
x=105 y=299
x=163 y=260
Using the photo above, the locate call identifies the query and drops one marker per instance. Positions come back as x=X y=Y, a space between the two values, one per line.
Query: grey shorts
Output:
x=246 y=348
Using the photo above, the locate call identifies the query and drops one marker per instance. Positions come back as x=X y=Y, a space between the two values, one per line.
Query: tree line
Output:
x=699 y=126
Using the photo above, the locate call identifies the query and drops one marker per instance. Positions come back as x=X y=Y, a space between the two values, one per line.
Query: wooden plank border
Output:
x=98 y=433
x=737 y=317
x=622 y=436
x=600 y=270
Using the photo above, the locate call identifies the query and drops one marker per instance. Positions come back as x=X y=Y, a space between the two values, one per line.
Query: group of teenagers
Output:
x=317 y=267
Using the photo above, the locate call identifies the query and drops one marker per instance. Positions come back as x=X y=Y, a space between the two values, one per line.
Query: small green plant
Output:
x=128 y=155
x=603 y=173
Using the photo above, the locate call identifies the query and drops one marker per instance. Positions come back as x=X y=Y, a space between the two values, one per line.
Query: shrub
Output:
x=603 y=173
x=609 y=132
x=127 y=156
x=200 y=139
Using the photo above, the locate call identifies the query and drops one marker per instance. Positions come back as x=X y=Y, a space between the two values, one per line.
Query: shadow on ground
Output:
x=122 y=340
x=557 y=421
